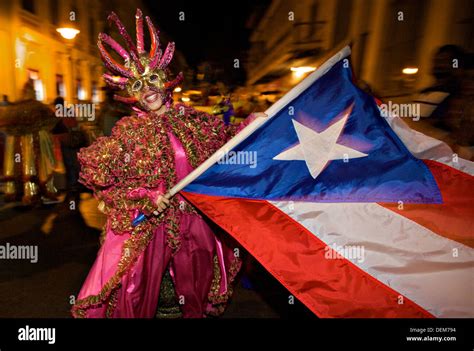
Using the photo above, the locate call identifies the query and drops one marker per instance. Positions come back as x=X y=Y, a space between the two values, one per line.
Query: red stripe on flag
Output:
x=454 y=218
x=294 y=256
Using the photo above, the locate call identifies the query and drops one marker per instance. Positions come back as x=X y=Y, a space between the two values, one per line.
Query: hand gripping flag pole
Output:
x=257 y=123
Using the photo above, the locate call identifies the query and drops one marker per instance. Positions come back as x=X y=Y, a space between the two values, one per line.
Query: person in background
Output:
x=448 y=67
x=110 y=112
x=72 y=139
x=28 y=158
x=228 y=110
x=4 y=101
x=460 y=112
x=446 y=105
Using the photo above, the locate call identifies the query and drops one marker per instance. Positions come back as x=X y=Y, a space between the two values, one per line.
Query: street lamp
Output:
x=68 y=33
x=299 y=72
x=410 y=70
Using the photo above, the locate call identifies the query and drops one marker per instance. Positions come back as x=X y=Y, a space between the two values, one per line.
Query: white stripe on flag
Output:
x=428 y=148
x=398 y=252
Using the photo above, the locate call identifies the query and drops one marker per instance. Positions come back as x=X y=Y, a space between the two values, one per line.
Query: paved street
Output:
x=67 y=244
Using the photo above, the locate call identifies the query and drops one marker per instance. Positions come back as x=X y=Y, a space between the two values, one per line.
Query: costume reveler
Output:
x=144 y=157
x=28 y=159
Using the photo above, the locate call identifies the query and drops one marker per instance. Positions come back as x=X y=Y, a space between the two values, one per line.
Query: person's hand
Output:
x=259 y=114
x=101 y=206
x=162 y=202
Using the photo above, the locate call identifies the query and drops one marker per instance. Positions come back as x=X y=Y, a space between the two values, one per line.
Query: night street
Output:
x=177 y=164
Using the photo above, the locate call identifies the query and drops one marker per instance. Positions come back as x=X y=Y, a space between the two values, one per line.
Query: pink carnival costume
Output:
x=144 y=157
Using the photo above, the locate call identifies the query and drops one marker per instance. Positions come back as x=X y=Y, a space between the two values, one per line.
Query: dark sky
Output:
x=211 y=30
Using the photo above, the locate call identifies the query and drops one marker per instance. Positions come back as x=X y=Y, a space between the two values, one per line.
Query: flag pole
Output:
x=259 y=121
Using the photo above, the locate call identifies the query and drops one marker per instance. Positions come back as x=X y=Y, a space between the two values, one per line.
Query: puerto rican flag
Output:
x=355 y=214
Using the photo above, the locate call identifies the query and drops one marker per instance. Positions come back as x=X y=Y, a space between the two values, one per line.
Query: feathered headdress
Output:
x=139 y=68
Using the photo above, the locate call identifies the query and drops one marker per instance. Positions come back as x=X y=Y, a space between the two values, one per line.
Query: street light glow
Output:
x=303 y=69
x=410 y=70
x=68 y=33
x=177 y=89
x=298 y=72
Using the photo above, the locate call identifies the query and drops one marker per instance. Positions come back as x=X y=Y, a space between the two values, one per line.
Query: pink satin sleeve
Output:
x=183 y=167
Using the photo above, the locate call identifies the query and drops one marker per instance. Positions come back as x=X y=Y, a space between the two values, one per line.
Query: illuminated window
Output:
x=34 y=76
x=60 y=85
x=95 y=93
x=80 y=93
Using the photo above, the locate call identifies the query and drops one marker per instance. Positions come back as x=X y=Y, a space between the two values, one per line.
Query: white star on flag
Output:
x=317 y=149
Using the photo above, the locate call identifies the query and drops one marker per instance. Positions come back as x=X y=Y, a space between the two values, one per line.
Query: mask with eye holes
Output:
x=149 y=80
x=141 y=70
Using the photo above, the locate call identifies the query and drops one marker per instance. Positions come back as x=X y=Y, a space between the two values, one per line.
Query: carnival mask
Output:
x=141 y=71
